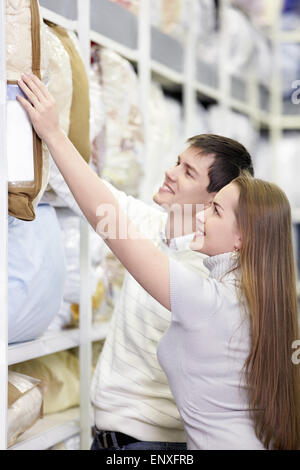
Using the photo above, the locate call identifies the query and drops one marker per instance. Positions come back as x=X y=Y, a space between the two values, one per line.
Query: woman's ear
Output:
x=238 y=242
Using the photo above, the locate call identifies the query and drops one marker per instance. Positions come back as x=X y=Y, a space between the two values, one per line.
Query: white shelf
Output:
x=289 y=36
x=51 y=342
x=128 y=53
x=58 y=19
x=99 y=331
x=296 y=215
x=50 y=430
x=167 y=72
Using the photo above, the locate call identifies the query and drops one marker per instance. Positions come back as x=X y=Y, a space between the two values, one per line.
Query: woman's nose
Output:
x=205 y=213
x=208 y=209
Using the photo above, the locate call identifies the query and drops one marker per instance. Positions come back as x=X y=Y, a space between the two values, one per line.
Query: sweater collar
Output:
x=220 y=266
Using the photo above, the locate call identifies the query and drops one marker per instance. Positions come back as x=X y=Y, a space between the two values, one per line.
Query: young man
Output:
x=134 y=408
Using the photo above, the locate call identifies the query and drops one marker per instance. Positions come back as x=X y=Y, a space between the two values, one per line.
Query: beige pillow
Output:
x=59 y=374
x=79 y=127
x=25 y=404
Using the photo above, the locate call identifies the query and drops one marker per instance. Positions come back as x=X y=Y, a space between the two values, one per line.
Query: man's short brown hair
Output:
x=230 y=158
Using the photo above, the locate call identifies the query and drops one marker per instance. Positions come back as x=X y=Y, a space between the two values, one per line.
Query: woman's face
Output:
x=217 y=230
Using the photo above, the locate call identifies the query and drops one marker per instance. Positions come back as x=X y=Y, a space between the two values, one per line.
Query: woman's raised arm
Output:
x=147 y=264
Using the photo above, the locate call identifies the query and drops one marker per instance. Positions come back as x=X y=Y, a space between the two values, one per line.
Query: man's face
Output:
x=186 y=182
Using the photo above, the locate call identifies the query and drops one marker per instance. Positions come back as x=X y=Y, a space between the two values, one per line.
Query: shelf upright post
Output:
x=223 y=61
x=253 y=99
x=85 y=317
x=3 y=236
x=144 y=75
x=276 y=92
x=189 y=90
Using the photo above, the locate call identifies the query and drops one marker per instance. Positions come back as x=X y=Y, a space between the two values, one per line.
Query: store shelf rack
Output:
x=50 y=430
x=53 y=341
x=62 y=425
x=116 y=28
x=3 y=235
x=112 y=26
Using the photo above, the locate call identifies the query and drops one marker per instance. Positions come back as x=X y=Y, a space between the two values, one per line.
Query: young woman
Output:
x=228 y=351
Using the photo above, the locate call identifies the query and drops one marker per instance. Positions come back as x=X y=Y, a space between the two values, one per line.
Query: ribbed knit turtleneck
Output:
x=220 y=266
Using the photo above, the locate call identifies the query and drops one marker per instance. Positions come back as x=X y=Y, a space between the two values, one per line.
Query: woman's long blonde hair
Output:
x=268 y=283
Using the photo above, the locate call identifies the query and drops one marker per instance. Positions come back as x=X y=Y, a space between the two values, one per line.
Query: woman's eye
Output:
x=216 y=211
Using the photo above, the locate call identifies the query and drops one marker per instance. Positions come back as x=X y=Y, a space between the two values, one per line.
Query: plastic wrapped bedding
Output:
x=97 y=121
x=69 y=85
x=114 y=272
x=131 y=5
x=200 y=124
x=254 y=9
x=124 y=133
x=70 y=228
x=25 y=404
x=290 y=55
x=79 y=130
x=18 y=38
x=288 y=164
x=70 y=225
x=59 y=376
x=26 y=51
x=167 y=134
x=248 y=47
x=36 y=274
x=60 y=77
x=234 y=125
x=171 y=17
x=175 y=18
x=164 y=134
x=61 y=87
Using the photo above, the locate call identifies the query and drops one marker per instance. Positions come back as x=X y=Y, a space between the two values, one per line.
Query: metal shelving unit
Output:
x=155 y=53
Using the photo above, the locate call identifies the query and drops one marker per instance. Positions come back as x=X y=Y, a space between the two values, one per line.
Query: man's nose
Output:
x=171 y=173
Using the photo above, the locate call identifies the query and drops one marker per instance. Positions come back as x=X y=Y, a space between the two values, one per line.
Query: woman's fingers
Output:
x=40 y=107
x=26 y=105
x=43 y=90
x=30 y=95
x=33 y=85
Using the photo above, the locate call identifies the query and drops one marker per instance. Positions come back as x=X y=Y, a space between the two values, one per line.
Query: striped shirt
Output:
x=130 y=392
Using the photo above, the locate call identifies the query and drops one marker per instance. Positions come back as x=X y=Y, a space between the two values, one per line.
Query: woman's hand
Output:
x=40 y=107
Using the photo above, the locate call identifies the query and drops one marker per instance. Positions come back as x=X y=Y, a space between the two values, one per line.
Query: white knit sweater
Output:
x=130 y=392
x=204 y=352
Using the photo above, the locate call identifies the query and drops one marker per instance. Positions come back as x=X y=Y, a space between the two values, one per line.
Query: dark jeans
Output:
x=140 y=445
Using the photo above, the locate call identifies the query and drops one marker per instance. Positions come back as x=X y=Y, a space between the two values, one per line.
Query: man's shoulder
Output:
x=192 y=260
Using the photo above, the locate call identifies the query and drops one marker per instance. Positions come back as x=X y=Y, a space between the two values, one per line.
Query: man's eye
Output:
x=189 y=174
